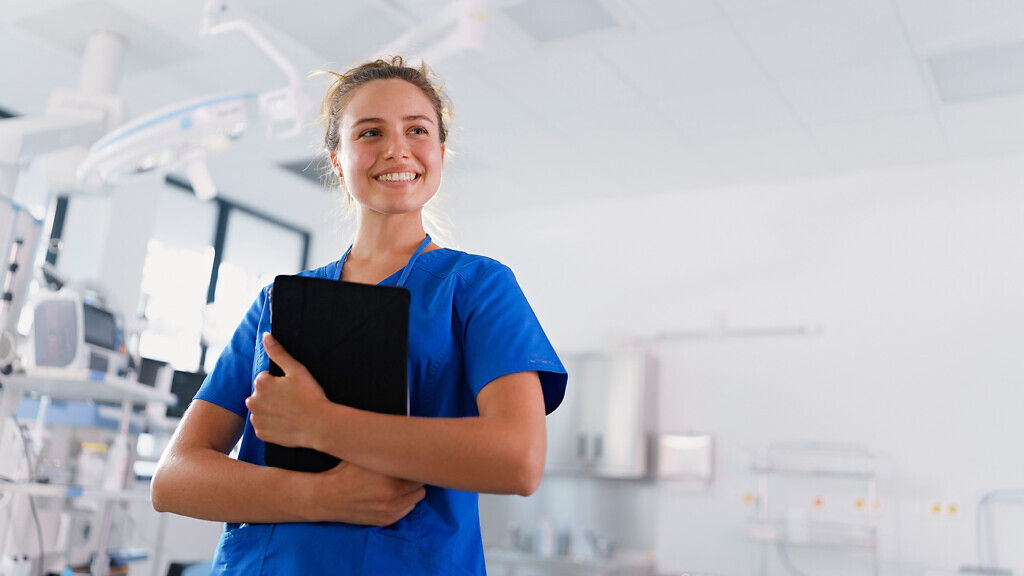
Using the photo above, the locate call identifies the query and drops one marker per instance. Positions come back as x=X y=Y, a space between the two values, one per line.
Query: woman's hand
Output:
x=284 y=409
x=348 y=493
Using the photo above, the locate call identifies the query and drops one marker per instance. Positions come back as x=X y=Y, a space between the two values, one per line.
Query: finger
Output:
x=279 y=355
x=411 y=487
x=410 y=500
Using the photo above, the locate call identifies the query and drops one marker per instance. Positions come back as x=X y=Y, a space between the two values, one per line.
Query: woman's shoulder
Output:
x=329 y=271
x=449 y=262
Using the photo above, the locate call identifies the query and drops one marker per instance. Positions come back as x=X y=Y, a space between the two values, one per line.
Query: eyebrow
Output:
x=411 y=118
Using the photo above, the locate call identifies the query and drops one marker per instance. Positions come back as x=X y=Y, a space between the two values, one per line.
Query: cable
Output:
x=786 y=563
x=31 y=500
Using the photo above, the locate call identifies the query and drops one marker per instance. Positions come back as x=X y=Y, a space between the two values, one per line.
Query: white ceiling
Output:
x=684 y=94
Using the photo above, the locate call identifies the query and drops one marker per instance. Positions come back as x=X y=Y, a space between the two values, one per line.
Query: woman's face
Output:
x=390 y=153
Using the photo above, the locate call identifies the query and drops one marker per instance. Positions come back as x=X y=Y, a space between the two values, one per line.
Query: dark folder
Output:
x=353 y=338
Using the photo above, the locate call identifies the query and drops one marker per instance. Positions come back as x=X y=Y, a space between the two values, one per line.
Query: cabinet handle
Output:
x=581 y=446
x=597 y=447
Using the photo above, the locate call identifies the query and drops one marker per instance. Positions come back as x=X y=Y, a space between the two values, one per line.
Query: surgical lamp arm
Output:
x=285 y=105
x=24 y=138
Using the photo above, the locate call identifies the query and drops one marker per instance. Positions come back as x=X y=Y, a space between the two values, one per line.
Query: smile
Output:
x=398 y=177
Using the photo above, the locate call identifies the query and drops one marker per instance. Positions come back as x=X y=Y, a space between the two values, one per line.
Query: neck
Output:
x=380 y=235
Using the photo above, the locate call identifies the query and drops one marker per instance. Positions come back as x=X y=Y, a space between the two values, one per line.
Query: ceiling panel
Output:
x=658 y=14
x=941 y=26
x=862 y=91
x=21 y=90
x=768 y=158
x=820 y=35
x=344 y=32
x=69 y=26
x=990 y=127
x=704 y=79
x=884 y=141
x=735 y=8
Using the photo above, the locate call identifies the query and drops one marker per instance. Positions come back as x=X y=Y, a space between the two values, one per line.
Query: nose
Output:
x=397 y=146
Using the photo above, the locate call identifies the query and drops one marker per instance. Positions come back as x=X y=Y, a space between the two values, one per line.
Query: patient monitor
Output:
x=75 y=333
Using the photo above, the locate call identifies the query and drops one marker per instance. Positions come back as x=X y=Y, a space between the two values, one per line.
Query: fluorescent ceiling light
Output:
x=991 y=72
x=550 y=20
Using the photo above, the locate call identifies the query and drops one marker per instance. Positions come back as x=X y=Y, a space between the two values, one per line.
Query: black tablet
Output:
x=353 y=338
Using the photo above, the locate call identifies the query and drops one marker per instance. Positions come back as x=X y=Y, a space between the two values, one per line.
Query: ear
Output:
x=336 y=165
x=442 y=153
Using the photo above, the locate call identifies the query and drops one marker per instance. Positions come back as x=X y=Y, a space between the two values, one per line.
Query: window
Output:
x=204 y=266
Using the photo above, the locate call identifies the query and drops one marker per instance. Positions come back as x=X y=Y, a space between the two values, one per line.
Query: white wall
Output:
x=915 y=279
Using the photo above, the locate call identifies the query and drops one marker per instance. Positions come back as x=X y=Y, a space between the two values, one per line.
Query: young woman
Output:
x=482 y=377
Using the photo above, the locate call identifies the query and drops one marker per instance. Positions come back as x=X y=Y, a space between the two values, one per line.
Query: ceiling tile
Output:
x=147 y=45
x=940 y=26
x=658 y=14
x=768 y=158
x=21 y=91
x=343 y=32
x=819 y=35
x=884 y=141
x=986 y=127
x=747 y=7
x=709 y=85
x=857 y=91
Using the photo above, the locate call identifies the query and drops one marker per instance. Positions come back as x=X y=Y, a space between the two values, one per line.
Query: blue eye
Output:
x=418 y=130
x=370 y=132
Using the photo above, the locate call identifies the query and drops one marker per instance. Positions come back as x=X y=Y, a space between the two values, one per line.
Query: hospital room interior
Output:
x=775 y=243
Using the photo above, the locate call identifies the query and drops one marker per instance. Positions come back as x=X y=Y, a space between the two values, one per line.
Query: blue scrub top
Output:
x=469 y=323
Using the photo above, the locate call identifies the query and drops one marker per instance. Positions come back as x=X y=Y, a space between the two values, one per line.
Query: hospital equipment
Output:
x=71 y=331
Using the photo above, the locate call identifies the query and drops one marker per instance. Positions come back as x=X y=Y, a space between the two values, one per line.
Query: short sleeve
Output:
x=502 y=335
x=230 y=382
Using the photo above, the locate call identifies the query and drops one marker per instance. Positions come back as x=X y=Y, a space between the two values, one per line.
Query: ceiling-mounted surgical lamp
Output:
x=178 y=135
x=183 y=134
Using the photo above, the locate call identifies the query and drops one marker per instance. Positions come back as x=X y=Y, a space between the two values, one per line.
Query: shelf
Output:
x=813 y=534
x=571 y=565
x=74 y=492
x=814 y=459
x=81 y=386
x=794 y=471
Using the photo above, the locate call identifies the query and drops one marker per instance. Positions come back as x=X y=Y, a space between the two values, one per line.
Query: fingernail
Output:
x=268 y=340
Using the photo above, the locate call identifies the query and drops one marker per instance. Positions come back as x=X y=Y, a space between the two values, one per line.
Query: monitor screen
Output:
x=148 y=370
x=184 y=386
x=100 y=327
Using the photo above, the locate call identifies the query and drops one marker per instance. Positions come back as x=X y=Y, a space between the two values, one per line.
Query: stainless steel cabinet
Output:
x=604 y=421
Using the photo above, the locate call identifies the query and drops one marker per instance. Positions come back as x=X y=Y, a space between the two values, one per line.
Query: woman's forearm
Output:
x=203 y=483
x=501 y=451
x=196 y=477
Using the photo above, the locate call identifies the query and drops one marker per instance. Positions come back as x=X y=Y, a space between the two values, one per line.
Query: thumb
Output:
x=279 y=355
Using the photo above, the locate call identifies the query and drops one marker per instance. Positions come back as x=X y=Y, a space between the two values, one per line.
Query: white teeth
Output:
x=397 y=177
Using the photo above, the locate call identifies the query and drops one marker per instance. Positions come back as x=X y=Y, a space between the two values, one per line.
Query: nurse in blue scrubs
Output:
x=483 y=376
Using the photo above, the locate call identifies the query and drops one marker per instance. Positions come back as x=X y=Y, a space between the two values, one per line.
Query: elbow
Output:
x=530 y=471
x=158 y=493
x=161 y=489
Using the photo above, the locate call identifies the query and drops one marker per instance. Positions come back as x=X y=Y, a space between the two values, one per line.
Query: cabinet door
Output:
x=599 y=427
x=614 y=418
x=565 y=452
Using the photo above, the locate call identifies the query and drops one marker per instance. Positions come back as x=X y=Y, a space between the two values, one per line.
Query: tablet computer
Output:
x=353 y=338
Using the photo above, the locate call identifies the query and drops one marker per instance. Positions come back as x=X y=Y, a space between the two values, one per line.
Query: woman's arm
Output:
x=501 y=451
x=196 y=477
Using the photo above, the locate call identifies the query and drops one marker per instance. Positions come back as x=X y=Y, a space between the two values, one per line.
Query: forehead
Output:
x=386 y=99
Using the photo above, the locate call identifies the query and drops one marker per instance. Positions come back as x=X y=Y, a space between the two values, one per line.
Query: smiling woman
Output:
x=482 y=376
